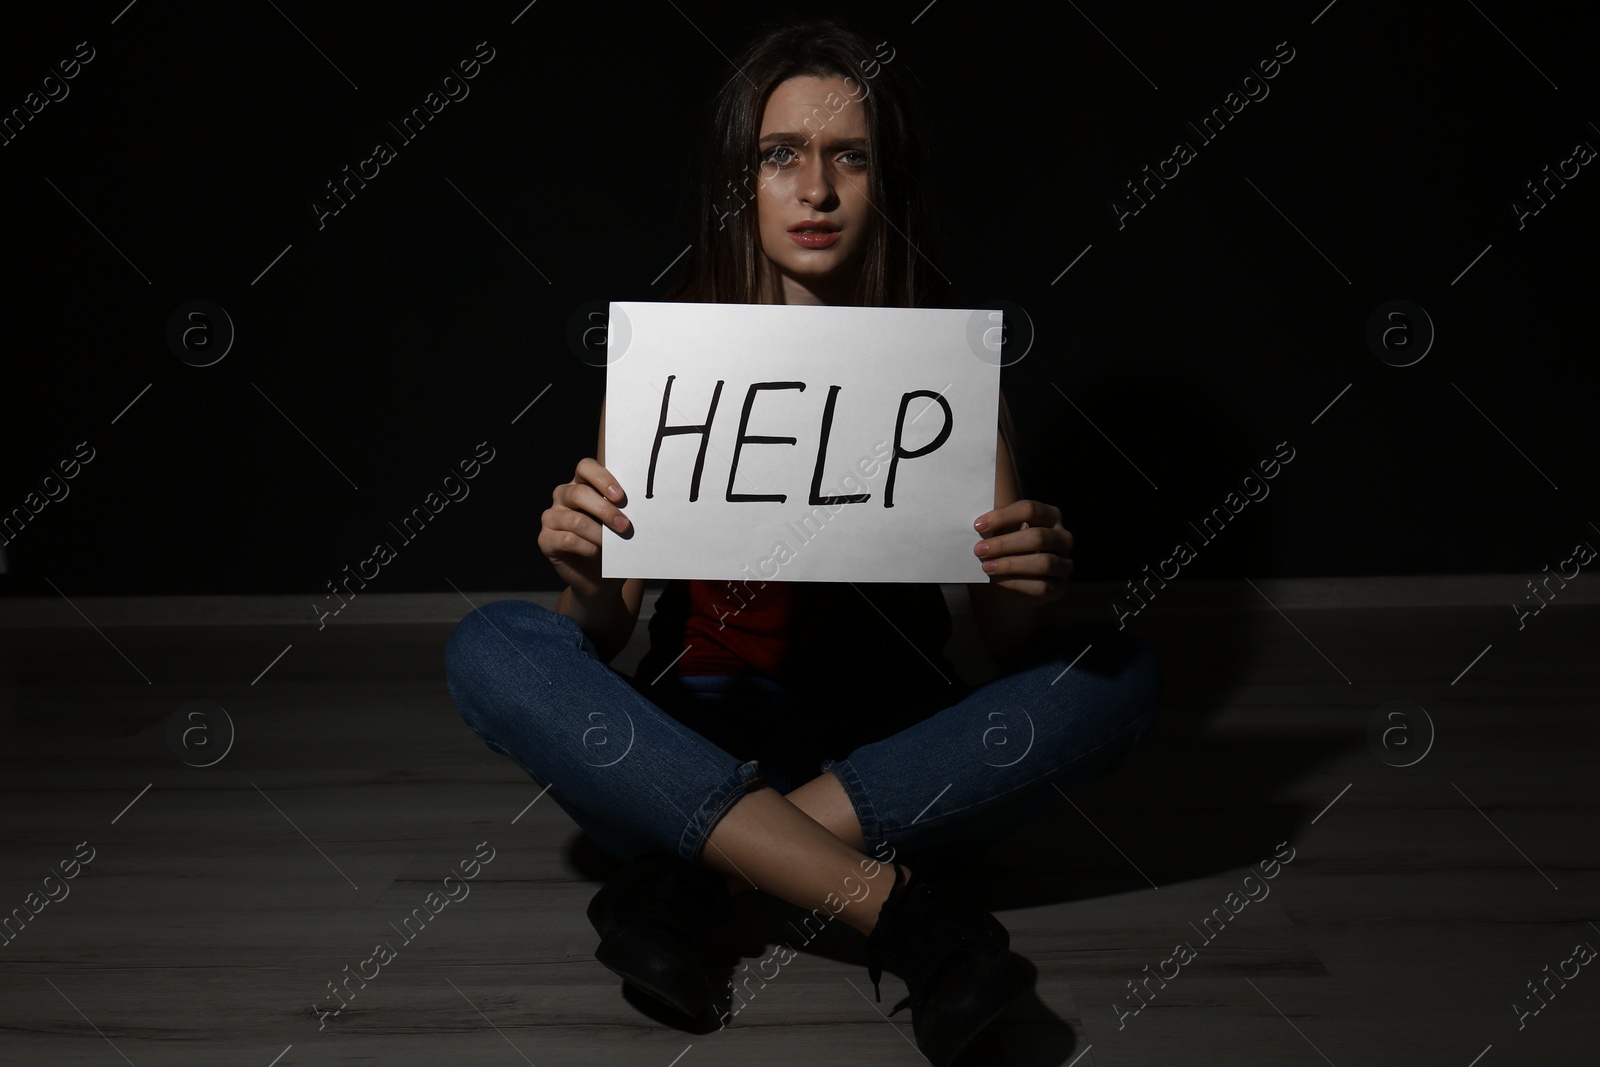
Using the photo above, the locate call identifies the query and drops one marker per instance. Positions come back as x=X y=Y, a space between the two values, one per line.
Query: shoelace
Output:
x=963 y=926
x=875 y=942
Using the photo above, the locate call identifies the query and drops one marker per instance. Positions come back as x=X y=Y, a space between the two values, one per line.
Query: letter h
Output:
x=663 y=430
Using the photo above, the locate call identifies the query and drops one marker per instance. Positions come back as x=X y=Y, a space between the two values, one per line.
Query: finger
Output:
x=565 y=520
x=580 y=497
x=592 y=471
x=568 y=543
x=1051 y=589
x=1033 y=512
x=1033 y=565
x=583 y=497
x=1032 y=539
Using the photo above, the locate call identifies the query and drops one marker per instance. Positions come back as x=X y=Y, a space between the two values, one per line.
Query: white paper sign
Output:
x=800 y=443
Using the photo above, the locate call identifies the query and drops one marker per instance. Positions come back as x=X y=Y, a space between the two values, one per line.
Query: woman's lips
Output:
x=814 y=240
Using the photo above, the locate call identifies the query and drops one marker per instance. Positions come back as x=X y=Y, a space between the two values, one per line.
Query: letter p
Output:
x=899 y=429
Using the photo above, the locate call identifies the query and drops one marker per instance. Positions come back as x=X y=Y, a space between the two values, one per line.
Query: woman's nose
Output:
x=816 y=188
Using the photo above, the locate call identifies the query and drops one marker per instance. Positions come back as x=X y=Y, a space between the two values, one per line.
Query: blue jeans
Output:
x=645 y=767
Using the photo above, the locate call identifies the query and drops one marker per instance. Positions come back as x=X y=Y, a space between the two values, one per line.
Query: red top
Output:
x=753 y=621
x=800 y=633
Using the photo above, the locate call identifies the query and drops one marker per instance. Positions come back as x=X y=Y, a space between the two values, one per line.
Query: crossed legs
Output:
x=950 y=770
x=803 y=847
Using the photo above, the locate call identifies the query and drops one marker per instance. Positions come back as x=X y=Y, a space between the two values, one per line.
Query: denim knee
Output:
x=494 y=643
x=1126 y=687
x=1125 y=657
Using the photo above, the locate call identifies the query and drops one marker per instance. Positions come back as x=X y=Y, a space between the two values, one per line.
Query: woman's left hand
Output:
x=1026 y=549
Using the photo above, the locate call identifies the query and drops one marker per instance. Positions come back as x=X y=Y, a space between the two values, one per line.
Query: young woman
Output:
x=810 y=740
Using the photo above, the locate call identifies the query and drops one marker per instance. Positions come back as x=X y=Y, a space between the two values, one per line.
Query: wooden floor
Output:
x=221 y=900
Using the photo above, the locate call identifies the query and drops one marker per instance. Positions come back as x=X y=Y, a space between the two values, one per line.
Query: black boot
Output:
x=652 y=917
x=955 y=959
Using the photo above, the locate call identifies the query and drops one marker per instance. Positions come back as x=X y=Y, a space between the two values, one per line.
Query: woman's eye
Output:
x=767 y=156
x=861 y=160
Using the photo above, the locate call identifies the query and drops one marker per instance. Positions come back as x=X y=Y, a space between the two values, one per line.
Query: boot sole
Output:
x=665 y=975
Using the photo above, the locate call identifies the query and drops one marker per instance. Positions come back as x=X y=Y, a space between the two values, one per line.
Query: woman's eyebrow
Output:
x=789 y=136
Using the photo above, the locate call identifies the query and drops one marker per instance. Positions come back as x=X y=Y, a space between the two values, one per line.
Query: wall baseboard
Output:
x=1087 y=600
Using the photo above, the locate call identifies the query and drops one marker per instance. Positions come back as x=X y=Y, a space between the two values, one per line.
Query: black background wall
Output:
x=374 y=352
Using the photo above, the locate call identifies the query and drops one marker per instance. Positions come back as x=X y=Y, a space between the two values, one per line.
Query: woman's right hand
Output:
x=569 y=532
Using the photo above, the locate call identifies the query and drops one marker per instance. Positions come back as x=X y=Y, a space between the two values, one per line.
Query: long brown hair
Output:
x=723 y=265
x=897 y=267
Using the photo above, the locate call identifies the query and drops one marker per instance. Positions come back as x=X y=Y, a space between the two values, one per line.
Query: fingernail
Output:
x=620 y=522
x=613 y=492
x=989 y=565
x=981 y=524
x=983 y=547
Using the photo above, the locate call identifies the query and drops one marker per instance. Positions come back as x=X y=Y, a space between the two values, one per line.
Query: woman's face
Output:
x=814 y=168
